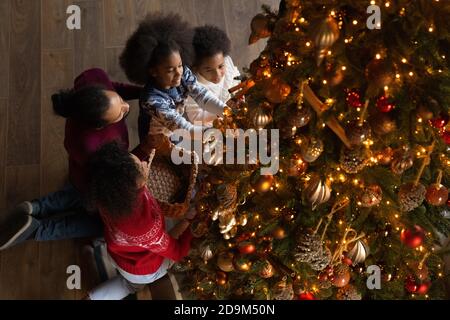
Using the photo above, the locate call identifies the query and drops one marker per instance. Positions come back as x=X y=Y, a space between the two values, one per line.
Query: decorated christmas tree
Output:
x=360 y=93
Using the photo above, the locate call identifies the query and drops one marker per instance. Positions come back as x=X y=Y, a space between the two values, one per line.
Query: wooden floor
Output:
x=39 y=55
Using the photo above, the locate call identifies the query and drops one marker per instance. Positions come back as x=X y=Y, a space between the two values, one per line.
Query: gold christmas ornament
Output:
x=276 y=90
x=359 y=252
x=221 y=278
x=264 y=183
x=384 y=157
x=279 y=233
x=242 y=264
x=324 y=34
x=260 y=117
x=317 y=192
x=260 y=28
x=311 y=148
x=341 y=275
x=225 y=261
x=297 y=166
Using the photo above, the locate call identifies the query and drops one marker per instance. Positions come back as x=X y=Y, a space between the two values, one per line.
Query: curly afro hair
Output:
x=209 y=41
x=155 y=39
x=113 y=176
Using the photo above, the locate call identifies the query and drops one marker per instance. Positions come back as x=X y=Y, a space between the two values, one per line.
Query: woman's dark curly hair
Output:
x=87 y=105
x=209 y=41
x=113 y=176
x=154 y=40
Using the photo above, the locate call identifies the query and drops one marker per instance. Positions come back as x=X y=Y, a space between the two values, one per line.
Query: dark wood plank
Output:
x=210 y=13
x=19 y=277
x=57 y=74
x=90 y=40
x=3 y=148
x=54 y=259
x=143 y=7
x=4 y=46
x=118 y=21
x=55 y=34
x=55 y=256
x=184 y=8
x=25 y=84
x=113 y=68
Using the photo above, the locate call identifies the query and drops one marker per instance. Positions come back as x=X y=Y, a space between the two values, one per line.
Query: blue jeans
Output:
x=63 y=215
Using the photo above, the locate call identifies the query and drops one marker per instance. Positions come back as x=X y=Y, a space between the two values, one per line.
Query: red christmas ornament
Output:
x=346 y=260
x=246 y=248
x=306 y=296
x=411 y=285
x=413 y=237
x=384 y=105
x=446 y=137
x=354 y=99
x=423 y=287
x=440 y=121
x=437 y=195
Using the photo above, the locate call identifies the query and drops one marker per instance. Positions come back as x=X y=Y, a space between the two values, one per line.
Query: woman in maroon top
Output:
x=95 y=110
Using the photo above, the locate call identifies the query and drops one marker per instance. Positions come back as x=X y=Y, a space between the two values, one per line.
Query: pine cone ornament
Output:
x=317 y=192
x=283 y=291
x=402 y=160
x=227 y=195
x=349 y=292
x=311 y=250
x=353 y=160
x=410 y=196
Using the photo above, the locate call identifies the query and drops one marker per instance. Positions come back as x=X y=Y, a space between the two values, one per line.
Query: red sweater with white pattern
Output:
x=139 y=243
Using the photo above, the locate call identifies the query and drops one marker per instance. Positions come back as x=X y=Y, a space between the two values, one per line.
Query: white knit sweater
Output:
x=194 y=113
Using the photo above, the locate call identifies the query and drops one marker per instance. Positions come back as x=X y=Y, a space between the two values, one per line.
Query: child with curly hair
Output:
x=156 y=55
x=135 y=230
x=214 y=69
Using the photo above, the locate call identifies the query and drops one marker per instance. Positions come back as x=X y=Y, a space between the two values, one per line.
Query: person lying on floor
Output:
x=95 y=111
x=135 y=229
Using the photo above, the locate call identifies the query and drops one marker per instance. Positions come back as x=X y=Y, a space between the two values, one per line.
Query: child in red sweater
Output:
x=135 y=228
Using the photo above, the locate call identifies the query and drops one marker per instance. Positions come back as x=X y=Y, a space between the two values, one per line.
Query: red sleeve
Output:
x=127 y=91
x=175 y=249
